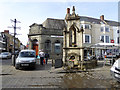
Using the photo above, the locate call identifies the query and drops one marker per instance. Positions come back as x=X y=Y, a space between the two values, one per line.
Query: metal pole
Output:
x=14 y=40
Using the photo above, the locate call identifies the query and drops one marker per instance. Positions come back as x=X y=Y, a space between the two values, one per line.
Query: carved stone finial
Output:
x=73 y=8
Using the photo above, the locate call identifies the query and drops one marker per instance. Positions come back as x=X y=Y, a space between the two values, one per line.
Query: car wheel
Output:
x=34 y=67
x=16 y=66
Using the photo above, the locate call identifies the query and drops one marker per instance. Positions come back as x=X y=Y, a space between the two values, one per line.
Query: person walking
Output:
x=42 y=55
x=46 y=57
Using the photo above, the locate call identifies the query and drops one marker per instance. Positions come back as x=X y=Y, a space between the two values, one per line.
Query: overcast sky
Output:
x=37 y=11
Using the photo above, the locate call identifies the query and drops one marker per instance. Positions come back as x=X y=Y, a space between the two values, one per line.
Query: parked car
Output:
x=5 y=55
x=26 y=58
x=115 y=70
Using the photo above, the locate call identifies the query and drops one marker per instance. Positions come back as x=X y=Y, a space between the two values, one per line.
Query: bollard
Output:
x=13 y=61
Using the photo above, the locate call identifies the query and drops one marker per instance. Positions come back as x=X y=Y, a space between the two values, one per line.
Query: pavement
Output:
x=46 y=76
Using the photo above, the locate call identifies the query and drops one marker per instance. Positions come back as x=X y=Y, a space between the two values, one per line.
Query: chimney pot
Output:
x=6 y=31
x=68 y=10
x=102 y=17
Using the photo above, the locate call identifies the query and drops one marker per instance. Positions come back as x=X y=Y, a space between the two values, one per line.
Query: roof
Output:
x=97 y=21
x=54 y=23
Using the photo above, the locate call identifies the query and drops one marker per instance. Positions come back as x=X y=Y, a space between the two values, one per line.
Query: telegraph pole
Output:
x=14 y=21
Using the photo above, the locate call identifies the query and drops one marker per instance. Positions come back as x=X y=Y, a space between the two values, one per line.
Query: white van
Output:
x=115 y=70
x=26 y=58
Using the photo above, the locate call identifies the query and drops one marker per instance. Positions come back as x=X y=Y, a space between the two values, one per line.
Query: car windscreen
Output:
x=27 y=54
x=4 y=53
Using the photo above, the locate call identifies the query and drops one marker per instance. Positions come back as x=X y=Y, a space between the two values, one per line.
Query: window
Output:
x=118 y=31
x=48 y=45
x=118 y=40
x=102 y=29
x=107 y=29
x=102 y=38
x=87 y=39
x=57 y=47
x=81 y=26
x=105 y=39
x=27 y=54
x=87 y=26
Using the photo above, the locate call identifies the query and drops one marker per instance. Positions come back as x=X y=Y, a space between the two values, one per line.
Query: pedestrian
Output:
x=42 y=55
x=46 y=57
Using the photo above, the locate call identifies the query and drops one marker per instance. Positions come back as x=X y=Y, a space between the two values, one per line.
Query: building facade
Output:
x=96 y=31
x=8 y=42
x=48 y=37
x=2 y=42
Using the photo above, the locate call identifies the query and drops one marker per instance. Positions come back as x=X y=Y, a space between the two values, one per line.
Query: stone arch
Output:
x=73 y=35
x=35 y=45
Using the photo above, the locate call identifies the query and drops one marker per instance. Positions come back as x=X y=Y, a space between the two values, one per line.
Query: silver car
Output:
x=5 y=55
x=26 y=58
x=115 y=70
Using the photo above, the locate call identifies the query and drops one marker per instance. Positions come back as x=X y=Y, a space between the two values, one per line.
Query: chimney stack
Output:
x=102 y=17
x=68 y=10
x=73 y=13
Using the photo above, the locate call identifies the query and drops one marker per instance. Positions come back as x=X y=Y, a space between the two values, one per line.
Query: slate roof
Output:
x=97 y=21
x=59 y=24
x=54 y=23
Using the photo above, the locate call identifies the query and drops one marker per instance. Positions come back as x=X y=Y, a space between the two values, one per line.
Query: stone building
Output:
x=2 y=42
x=78 y=45
x=99 y=31
x=47 y=36
x=8 y=44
